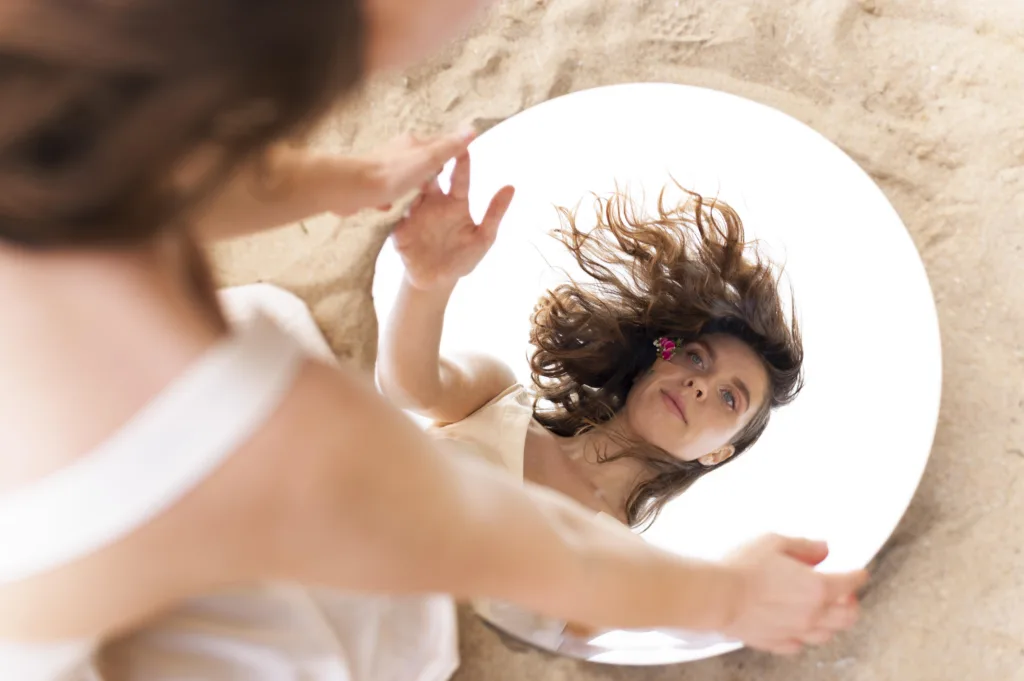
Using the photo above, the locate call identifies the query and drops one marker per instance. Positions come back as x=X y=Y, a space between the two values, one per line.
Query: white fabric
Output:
x=290 y=633
x=69 y=661
x=164 y=451
x=268 y=632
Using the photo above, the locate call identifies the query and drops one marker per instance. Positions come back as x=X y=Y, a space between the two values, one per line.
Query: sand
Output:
x=928 y=96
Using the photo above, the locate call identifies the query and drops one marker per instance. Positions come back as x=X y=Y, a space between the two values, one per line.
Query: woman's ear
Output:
x=718 y=456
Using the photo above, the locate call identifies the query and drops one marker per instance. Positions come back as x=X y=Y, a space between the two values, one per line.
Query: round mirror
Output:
x=842 y=462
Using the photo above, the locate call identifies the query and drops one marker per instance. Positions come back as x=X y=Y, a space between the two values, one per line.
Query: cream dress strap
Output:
x=497 y=433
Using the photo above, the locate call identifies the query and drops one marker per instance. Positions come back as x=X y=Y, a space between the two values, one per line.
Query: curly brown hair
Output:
x=685 y=273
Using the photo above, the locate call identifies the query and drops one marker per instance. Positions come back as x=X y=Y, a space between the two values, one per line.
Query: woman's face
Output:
x=693 y=405
x=402 y=32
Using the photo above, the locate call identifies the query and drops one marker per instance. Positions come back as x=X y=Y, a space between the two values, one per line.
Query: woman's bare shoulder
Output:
x=87 y=341
x=287 y=502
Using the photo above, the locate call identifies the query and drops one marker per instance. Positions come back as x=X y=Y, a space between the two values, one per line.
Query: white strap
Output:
x=161 y=454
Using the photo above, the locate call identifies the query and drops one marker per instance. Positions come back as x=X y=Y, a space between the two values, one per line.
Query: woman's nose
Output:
x=699 y=387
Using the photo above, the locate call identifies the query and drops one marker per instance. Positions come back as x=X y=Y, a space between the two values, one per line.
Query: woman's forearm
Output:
x=409 y=363
x=289 y=185
x=630 y=583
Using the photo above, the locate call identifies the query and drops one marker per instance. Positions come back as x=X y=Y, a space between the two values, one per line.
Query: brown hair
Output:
x=685 y=273
x=104 y=100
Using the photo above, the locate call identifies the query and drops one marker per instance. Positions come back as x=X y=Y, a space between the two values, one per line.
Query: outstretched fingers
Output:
x=440 y=151
x=460 y=177
x=843 y=587
x=806 y=551
x=496 y=212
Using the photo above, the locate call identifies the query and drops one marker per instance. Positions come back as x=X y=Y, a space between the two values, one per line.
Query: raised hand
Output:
x=438 y=241
x=406 y=163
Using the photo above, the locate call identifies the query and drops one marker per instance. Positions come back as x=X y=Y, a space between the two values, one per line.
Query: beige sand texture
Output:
x=928 y=96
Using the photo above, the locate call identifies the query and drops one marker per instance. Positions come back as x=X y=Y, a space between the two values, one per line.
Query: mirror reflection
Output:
x=620 y=340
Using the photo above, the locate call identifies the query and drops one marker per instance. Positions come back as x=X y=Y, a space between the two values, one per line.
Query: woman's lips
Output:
x=674 y=405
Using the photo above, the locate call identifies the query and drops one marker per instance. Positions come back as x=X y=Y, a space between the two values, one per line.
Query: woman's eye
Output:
x=696 y=360
x=729 y=399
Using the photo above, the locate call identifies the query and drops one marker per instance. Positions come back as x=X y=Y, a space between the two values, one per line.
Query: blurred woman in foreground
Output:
x=178 y=500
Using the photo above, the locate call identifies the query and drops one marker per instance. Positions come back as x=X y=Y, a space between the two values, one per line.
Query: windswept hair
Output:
x=685 y=273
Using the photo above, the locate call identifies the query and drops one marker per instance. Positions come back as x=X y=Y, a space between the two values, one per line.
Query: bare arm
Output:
x=287 y=186
x=415 y=376
x=414 y=519
x=290 y=184
x=426 y=521
x=439 y=243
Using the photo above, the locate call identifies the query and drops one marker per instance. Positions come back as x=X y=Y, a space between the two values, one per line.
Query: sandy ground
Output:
x=928 y=96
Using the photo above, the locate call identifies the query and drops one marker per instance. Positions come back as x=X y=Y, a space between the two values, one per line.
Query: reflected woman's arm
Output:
x=439 y=243
x=414 y=375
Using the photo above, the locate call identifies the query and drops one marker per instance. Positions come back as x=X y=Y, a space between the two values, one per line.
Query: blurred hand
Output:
x=438 y=241
x=289 y=184
x=403 y=165
x=784 y=603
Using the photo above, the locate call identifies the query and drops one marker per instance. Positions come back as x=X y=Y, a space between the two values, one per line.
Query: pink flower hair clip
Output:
x=666 y=347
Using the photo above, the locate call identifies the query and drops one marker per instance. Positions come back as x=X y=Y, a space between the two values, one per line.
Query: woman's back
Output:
x=139 y=330
x=261 y=630
x=80 y=371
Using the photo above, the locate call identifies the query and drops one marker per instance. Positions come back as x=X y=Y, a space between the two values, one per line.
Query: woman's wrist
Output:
x=332 y=183
x=316 y=182
x=681 y=593
x=711 y=599
x=642 y=586
x=439 y=291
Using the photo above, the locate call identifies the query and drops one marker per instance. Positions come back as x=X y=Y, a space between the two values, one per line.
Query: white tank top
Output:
x=274 y=631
